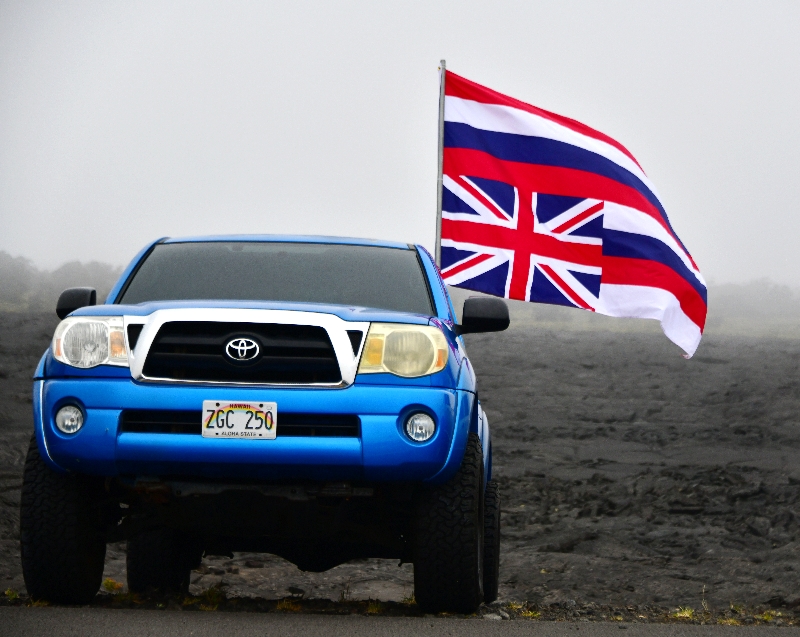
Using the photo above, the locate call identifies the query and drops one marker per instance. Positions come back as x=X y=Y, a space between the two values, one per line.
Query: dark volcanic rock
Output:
x=629 y=475
x=632 y=476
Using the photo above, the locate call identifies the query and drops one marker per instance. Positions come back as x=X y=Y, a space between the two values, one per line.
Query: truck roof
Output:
x=289 y=238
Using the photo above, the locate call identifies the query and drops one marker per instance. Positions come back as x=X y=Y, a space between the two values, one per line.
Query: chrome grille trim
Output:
x=335 y=327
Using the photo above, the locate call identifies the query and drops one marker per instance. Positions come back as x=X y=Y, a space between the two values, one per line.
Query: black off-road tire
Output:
x=491 y=542
x=161 y=560
x=62 y=533
x=448 y=539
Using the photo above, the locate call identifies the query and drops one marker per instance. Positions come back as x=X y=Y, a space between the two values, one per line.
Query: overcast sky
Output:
x=121 y=122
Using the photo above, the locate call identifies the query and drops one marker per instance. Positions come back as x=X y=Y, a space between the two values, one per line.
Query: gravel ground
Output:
x=634 y=482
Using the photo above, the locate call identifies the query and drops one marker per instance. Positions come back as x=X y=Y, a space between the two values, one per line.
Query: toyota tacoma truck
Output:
x=308 y=397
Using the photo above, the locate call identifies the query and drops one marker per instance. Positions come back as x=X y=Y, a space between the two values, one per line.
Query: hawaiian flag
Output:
x=538 y=207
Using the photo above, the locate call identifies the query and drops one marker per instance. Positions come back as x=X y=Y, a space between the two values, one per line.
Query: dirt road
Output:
x=74 y=622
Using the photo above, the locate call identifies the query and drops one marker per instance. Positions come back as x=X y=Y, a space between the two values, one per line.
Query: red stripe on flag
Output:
x=464 y=265
x=457 y=86
x=576 y=220
x=626 y=271
x=564 y=287
x=552 y=180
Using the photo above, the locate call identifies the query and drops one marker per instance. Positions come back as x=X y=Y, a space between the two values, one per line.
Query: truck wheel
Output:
x=448 y=539
x=62 y=533
x=161 y=560
x=491 y=542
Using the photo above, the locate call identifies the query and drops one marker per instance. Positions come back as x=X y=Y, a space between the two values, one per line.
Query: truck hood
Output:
x=344 y=312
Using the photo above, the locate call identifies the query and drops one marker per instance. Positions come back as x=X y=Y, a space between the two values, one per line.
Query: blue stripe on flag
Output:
x=545 y=152
x=638 y=246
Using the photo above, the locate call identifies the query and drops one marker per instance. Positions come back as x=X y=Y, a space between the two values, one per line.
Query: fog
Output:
x=24 y=287
x=123 y=122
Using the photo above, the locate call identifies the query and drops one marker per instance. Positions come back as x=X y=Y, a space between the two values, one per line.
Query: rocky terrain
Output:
x=629 y=475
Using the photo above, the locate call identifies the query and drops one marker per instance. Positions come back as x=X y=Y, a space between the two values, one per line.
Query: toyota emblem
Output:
x=242 y=349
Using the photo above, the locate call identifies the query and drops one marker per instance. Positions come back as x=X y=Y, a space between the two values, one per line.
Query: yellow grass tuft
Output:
x=112 y=586
x=125 y=598
x=767 y=616
x=683 y=612
x=374 y=607
x=288 y=605
x=38 y=602
x=409 y=601
x=11 y=594
x=213 y=596
x=530 y=614
x=729 y=621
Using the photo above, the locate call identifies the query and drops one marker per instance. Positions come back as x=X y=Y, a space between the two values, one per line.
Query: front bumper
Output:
x=382 y=452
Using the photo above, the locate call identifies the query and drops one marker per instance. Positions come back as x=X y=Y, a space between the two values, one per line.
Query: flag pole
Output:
x=442 y=69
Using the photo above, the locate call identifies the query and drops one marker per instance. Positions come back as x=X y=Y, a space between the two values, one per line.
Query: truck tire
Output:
x=161 y=560
x=491 y=542
x=448 y=539
x=62 y=533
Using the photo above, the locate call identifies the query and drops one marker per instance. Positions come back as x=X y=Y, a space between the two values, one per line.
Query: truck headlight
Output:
x=404 y=350
x=84 y=342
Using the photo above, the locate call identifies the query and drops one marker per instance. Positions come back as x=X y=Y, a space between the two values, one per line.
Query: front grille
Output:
x=288 y=354
x=134 y=331
x=190 y=422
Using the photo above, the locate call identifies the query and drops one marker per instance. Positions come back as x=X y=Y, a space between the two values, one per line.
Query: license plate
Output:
x=223 y=419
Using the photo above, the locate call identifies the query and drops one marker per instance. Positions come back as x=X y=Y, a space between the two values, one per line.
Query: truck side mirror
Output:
x=483 y=315
x=73 y=298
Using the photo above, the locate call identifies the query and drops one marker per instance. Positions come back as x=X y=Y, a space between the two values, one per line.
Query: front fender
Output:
x=462 y=428
x=38 y=426
x=469 y=419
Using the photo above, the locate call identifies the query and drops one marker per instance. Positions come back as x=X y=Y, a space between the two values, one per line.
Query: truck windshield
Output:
x=353 y=275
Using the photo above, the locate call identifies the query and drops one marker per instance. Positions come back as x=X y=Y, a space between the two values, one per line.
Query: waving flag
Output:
x=538 y=207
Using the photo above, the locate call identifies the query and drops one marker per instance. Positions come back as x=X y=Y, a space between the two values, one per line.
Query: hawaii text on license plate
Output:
x=223 y=419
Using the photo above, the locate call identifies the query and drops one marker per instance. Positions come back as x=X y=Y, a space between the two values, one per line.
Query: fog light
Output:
x=69 y=419
x=420 y=427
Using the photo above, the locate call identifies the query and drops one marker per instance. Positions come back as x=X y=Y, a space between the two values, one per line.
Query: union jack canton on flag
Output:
x=538 y=207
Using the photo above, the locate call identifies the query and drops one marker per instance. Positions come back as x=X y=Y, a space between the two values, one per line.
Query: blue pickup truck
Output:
x=309 y=397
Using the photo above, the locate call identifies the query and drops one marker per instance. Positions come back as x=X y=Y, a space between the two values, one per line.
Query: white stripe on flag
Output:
x=636 y=301
x=507 y=119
